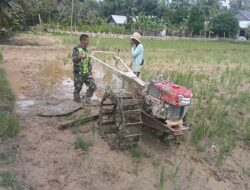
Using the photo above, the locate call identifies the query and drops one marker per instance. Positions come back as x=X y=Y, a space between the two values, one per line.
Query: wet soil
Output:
x=41 y=77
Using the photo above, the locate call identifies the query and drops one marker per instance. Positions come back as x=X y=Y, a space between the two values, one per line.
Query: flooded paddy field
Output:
x=40 y=72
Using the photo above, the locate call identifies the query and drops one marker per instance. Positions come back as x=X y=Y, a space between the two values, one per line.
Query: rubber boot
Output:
x=77 y=97
x=87 y=100
x=89 y=94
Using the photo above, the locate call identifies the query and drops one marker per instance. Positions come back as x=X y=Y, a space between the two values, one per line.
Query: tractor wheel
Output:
x=120 y=120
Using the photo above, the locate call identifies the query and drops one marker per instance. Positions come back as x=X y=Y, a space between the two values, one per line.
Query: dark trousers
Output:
x=79 y=80
x=137 y=74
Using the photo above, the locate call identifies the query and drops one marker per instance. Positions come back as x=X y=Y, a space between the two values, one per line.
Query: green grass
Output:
x=1 y=57
x=161 y=179
x=83 y=143
x=190 y=173
x=138 y=152
x=94 y=128
x=7 y=157
x=246 y=171
x=156 y=162
x=75 y=128
x=8 y=181
x=8 y=119
x=246 y=137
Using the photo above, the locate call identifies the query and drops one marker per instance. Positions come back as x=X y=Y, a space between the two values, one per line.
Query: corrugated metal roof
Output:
x=245 y=14
x=119 y=19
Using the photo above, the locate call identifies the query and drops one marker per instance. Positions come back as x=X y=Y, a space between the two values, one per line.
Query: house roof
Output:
x=244 y=24
x=243 y=15
x=119 y=19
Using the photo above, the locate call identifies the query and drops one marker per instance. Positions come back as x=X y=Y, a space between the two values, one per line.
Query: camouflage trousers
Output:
x=79 y=80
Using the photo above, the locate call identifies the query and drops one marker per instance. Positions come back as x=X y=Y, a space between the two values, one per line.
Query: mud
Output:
x=43 y=84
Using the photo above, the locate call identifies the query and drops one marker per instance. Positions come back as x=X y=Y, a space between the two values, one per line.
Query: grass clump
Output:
x=8 y=118
x=83 y=143
x=6 y=179
x=247 y=137
x=156 y=162
x=7 y=158
x=247 y=132
x=9 y=125
x=138 y=152
x=246 y=171
x=1 y=57
x=190 y=173
x=161 y=179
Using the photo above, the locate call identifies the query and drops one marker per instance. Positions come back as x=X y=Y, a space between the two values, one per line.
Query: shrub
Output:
x=225 y=24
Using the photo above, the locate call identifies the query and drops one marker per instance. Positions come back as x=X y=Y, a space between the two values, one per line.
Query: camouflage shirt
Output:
x=77 y=61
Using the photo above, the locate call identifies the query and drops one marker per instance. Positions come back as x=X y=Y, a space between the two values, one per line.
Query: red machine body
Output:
x=175 y=95
x=168 y=103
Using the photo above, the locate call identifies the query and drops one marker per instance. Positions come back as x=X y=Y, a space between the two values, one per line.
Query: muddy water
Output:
x=53 y=77
x=55 y=81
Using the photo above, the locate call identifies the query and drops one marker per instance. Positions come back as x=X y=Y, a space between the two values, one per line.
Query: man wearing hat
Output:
x=137 y=52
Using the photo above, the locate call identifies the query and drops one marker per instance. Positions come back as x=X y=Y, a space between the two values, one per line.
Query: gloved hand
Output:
x=82 y=56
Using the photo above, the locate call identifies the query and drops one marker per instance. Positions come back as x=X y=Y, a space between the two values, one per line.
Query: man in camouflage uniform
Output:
x=82 y=69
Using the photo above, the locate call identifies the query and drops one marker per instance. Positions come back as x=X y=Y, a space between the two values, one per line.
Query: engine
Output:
x=167 y=101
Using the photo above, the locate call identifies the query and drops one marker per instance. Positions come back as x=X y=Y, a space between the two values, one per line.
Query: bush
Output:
x=225 y=24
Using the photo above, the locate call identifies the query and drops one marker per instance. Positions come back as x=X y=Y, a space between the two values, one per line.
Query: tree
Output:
x=148 y=25
x=130 y=7
x=3 y=6
x=149 y=7
x=11 y=18
x=211 y=8
x=65 y=11
x=180 y=11
x=37 y=10
x=236 y=5
x=196 y=20
x=225 y=24
x=121 y=7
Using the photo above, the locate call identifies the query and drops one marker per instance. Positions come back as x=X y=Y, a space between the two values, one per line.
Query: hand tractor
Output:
x=157 y=104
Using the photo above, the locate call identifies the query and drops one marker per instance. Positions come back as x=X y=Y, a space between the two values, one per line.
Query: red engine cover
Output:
x=170 y=92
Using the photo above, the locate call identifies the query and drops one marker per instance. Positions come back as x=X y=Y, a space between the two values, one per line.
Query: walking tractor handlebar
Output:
x=126 y=73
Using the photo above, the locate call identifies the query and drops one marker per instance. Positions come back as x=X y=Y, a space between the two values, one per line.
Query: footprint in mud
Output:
x=54 y=184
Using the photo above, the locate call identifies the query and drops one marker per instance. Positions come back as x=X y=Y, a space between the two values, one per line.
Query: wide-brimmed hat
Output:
x=136 y=36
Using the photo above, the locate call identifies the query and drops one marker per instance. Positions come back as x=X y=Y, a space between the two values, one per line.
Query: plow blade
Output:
x=174 y=127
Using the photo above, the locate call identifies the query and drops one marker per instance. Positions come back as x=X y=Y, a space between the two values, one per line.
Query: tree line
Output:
x=178 y=17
